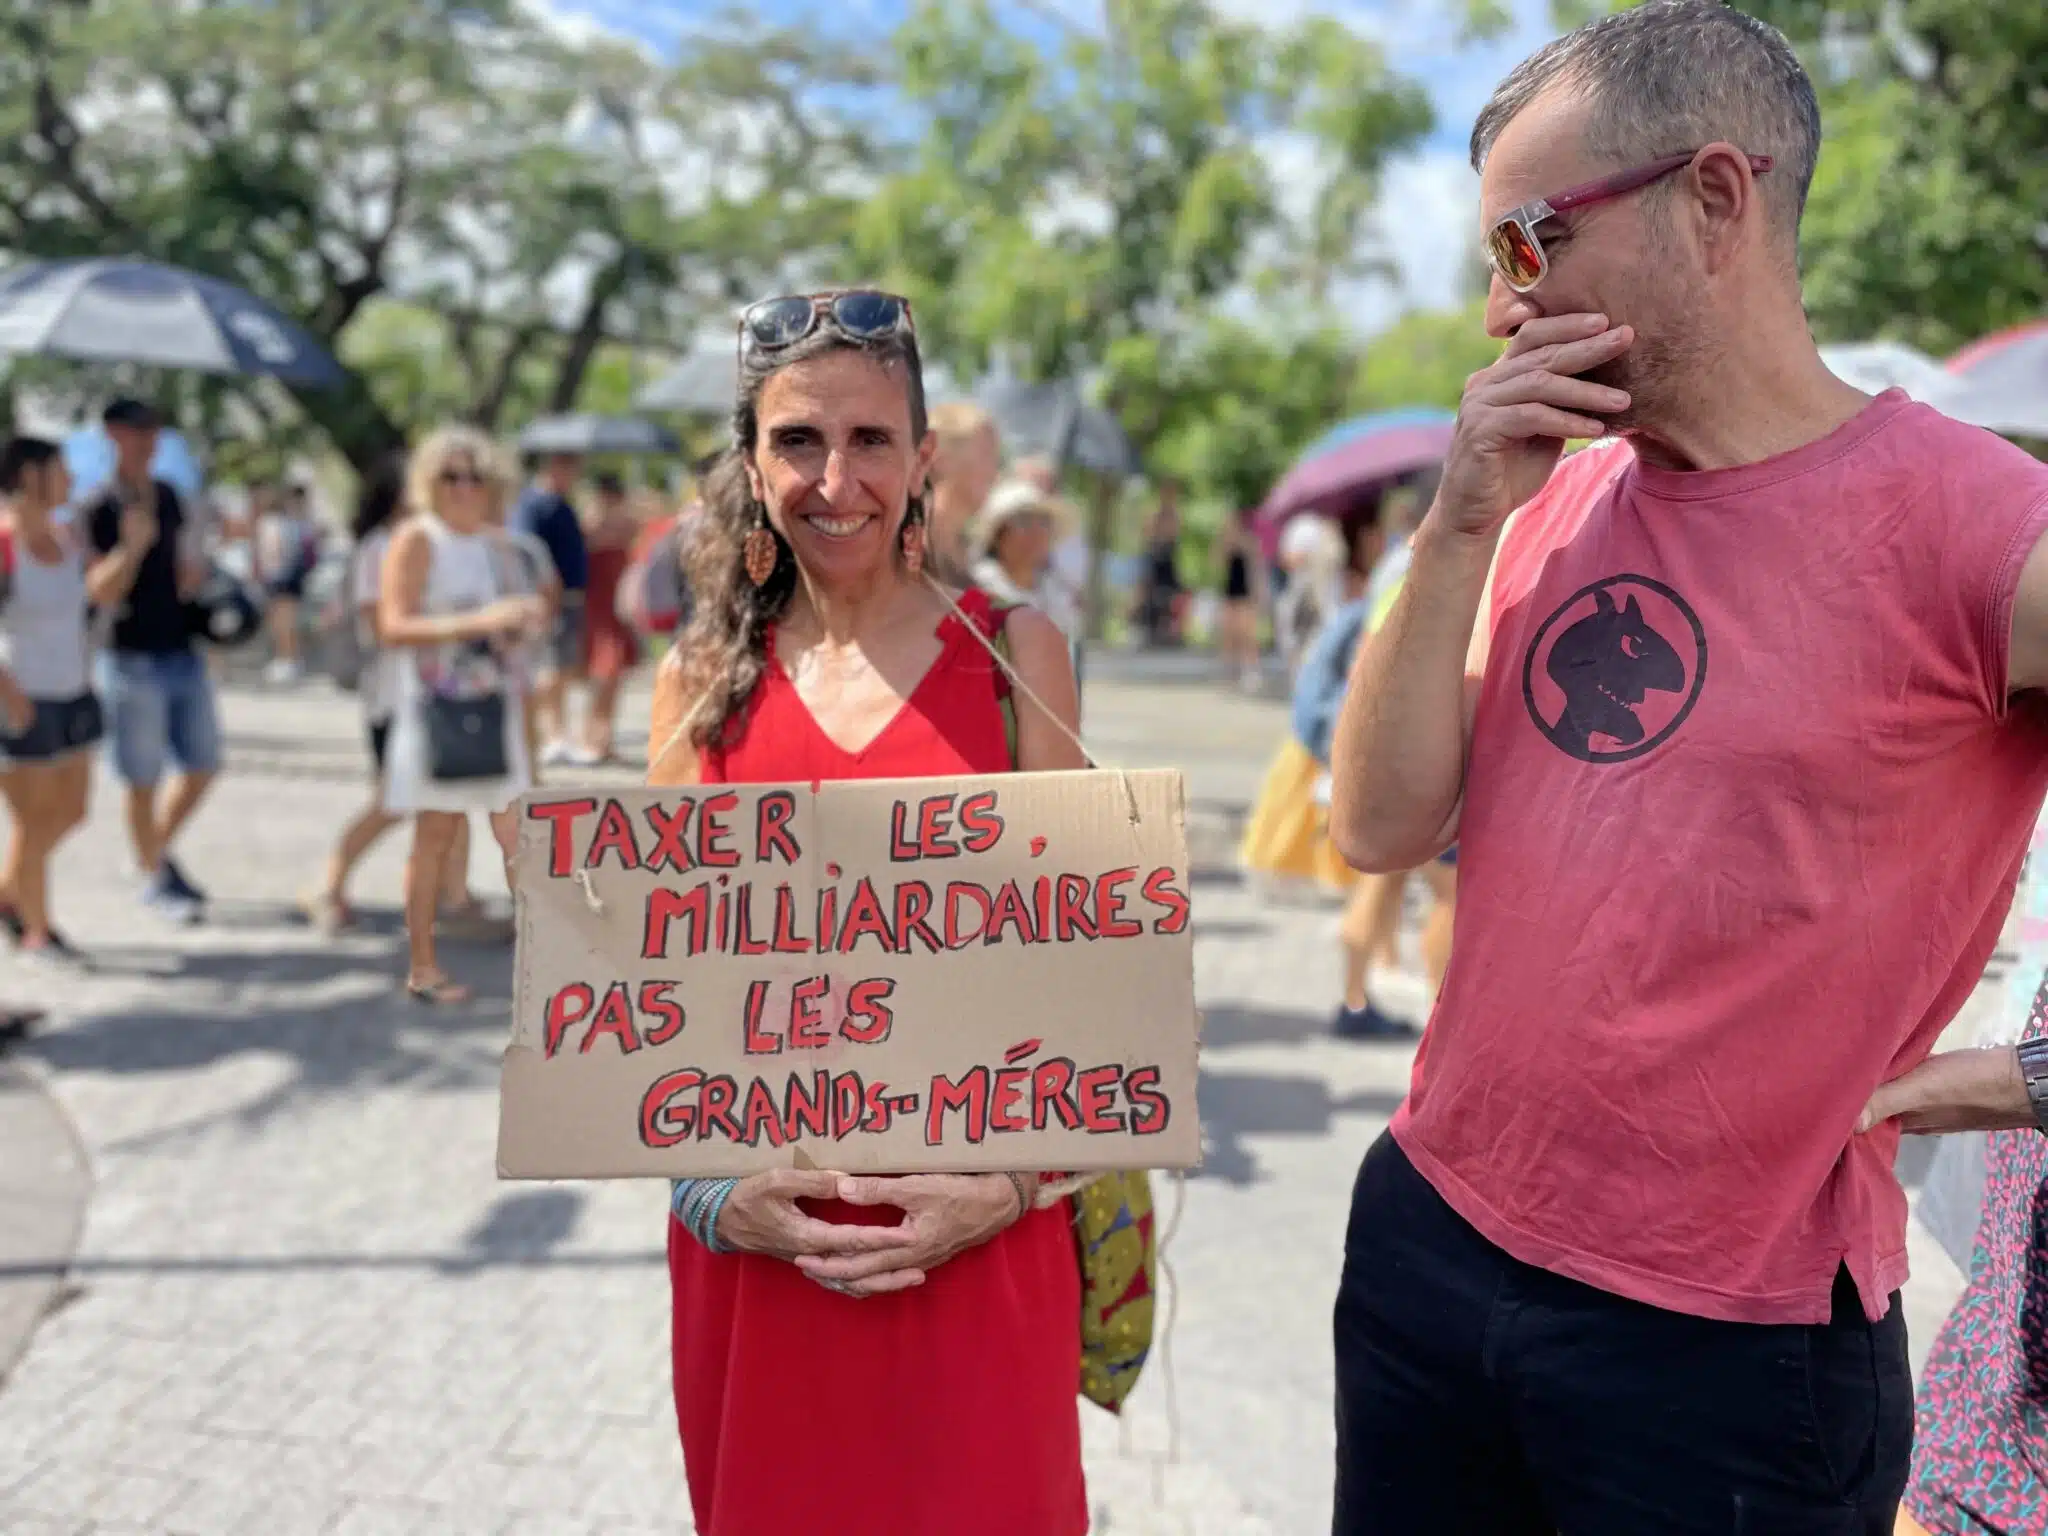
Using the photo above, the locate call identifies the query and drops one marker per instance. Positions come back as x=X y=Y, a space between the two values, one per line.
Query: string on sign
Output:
x=1017 y=682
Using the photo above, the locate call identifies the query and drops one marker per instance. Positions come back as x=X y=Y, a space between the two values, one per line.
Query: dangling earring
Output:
x=759 y=549
x=913 y=545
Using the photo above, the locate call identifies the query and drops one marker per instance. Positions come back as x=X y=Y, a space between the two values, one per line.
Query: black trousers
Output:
x=1479 y=1396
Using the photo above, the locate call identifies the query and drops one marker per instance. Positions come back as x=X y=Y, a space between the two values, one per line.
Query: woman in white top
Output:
x=51 y=717
x=1013 y=542
x=452 y=609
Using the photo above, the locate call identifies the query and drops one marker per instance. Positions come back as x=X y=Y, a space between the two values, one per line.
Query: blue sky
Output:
x=1430 y=196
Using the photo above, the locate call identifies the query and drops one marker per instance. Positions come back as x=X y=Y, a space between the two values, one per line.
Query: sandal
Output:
x=441 y=991
x=327 y=914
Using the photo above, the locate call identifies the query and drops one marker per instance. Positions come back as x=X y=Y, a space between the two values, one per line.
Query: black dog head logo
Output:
x=1619 y=681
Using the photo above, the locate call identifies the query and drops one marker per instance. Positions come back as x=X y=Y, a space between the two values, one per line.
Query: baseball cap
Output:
x=127 y=411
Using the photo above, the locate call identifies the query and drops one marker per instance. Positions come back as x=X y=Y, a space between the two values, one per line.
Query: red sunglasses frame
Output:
x=1620 y=184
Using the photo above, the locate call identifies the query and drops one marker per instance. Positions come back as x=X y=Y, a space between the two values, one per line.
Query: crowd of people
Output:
x=1628 y=1258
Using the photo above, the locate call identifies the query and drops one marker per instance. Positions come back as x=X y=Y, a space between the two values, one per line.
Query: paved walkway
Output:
x=303 y=1304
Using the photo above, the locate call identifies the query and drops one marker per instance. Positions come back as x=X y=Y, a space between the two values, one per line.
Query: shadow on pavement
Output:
x=1240 y=1104
x=1234 y=1024
x=372 y=1035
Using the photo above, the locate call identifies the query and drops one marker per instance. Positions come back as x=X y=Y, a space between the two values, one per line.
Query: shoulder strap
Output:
x=1006 y=696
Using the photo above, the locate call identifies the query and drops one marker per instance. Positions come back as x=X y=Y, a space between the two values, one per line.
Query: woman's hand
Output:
x=761 y=1215
x=944 y=1214
x=508 y=618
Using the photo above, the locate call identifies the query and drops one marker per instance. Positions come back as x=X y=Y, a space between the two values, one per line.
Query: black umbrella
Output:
x=588 y=434
x=119 y=310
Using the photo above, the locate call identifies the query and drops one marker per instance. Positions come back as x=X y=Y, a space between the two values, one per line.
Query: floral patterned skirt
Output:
x=1980 y=1456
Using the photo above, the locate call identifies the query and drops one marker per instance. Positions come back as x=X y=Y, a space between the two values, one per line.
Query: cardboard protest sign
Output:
x=897 y=976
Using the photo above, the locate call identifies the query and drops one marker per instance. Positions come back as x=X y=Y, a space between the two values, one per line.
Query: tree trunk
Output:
x=605 y=286
x=490 y=404
x=1102 y=499
x=353 y=420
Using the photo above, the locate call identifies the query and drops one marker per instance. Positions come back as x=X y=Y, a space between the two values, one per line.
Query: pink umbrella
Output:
x=1341 y=478
x=2002 y=382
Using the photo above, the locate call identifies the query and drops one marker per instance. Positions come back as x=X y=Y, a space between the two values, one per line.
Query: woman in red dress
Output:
x=609 y=647
x=859 y=1356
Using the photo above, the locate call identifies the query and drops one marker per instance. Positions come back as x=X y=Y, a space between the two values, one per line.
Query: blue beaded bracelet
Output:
x=697 y=1204
x=709 y=1236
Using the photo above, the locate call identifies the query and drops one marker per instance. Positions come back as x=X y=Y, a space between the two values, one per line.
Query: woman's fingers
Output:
x=852 y=1266
x=878 y=1191
x=809 y=1236
x=882 y=1285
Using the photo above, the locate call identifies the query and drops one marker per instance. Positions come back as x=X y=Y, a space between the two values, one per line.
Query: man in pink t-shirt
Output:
x=1735 y=725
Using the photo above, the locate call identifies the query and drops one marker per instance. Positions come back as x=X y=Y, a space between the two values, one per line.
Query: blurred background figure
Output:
x=1243 y=594
x=451 y=604
x=49 y=717
x=155 y=689
x=1161 y=598
x=609 y=645
x=964 y=471
x=654 y=593
x=545 y=512
x=286 y=536
x=1313 y=557
x=1014 y=537
x=379 y=508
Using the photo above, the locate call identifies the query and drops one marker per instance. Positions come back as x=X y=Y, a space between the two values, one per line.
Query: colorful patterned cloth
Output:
x=1980 y=1456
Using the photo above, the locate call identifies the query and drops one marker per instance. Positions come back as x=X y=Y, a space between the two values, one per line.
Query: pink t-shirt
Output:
x=1744 y=812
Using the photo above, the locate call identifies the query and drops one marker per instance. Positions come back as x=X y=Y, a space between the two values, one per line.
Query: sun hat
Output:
x=1020 y=498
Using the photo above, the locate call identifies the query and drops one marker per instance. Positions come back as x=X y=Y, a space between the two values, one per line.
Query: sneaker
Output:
x=181 y=883
x=584 y=757
x=15 y=1023
x=172 y=898
x=283 y=673
x=1368 y=1023
x=557 y=754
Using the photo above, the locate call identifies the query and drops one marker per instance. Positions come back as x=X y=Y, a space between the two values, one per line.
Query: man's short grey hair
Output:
x=1671 y=76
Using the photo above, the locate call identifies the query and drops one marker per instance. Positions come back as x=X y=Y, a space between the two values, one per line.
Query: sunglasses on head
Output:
x=1515 y=251
x=860 y=314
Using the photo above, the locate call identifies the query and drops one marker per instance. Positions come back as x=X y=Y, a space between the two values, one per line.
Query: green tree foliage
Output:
x=1424 y=358
x=468 y=205
x=1090 y=204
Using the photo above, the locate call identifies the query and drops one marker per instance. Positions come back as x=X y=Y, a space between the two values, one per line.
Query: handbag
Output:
x=1116 y=1237
x=466 y=736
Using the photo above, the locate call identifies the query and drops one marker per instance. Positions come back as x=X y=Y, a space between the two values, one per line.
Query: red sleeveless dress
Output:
x=944 y=1410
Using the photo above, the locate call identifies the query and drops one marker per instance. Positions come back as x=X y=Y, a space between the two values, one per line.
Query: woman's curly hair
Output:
x=722 y=650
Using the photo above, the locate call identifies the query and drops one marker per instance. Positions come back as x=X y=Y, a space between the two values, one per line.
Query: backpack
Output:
x=1115 y=1232
x=341 y=644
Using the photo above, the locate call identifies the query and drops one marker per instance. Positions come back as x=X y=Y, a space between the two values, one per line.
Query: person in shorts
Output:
x=51 y=718
x=288 y=549
x=545 y=513
x=155 y=688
